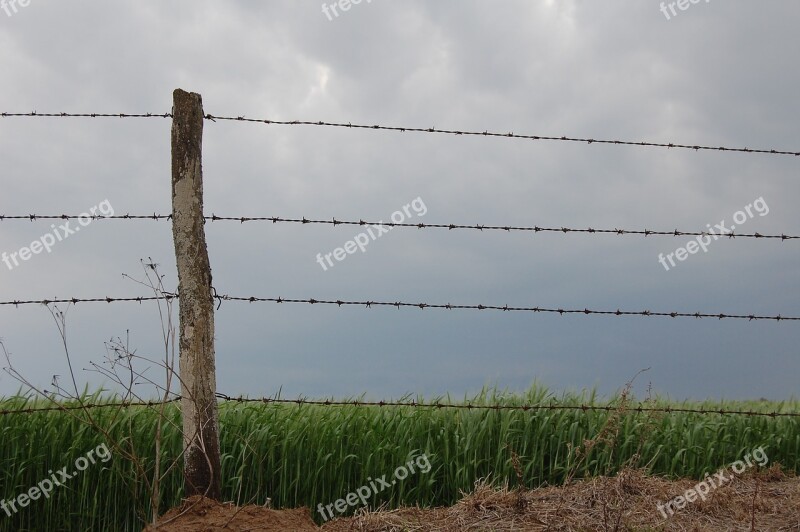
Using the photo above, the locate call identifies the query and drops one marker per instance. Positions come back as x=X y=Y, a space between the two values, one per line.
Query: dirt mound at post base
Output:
x=198 y=514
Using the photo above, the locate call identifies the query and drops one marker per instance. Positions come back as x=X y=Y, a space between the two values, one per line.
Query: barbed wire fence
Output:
x=397 y=304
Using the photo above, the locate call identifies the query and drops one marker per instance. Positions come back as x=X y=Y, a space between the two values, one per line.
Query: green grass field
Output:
x=302 y=455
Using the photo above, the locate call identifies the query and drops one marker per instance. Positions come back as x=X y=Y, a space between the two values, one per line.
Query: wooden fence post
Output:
x=197 y=365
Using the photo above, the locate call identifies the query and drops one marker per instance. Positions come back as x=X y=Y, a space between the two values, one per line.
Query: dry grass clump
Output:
x=767 y=500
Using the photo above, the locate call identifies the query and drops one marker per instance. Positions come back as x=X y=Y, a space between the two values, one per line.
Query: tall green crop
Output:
x=305 y=455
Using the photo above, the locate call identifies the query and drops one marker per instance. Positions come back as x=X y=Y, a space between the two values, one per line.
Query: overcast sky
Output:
x=718 y=73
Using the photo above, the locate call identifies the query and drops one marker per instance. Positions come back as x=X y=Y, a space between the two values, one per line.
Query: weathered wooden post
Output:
x=197 y=366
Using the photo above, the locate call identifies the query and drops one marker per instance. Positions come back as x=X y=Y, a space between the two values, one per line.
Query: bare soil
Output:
x=768 y=500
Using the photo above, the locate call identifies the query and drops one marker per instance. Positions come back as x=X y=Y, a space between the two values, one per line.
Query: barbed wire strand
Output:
x=400 y=304
x=87 y=406
x=419 y=225
x=414 y=404
x=512 y=135
x=485 y=133
x=86 y=115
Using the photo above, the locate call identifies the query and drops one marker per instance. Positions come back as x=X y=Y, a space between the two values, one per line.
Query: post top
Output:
x=182 y=96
